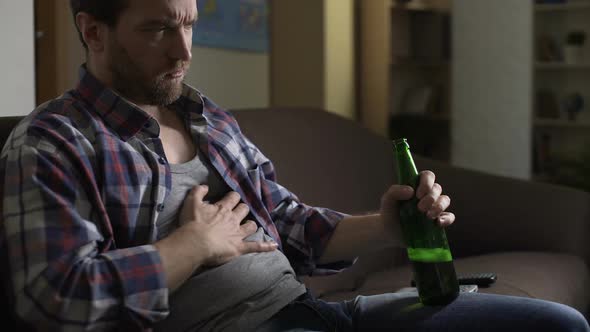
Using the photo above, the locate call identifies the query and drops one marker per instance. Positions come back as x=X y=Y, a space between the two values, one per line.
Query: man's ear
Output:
x=93 y=32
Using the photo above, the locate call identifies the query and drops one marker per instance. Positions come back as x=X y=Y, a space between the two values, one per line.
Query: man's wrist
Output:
x=196 y=244
x=182 y=253
x=391 y=230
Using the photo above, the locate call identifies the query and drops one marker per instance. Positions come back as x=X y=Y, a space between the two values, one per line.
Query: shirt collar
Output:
x=124 y=117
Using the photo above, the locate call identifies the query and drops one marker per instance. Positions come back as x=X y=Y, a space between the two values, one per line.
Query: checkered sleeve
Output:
x=65 y=269
x=304 y=230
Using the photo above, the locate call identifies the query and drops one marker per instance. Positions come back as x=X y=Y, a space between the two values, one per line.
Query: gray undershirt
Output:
x=236 y=296
x=185 y=176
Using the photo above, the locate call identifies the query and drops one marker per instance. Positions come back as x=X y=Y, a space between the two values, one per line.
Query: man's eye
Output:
x=158 y=29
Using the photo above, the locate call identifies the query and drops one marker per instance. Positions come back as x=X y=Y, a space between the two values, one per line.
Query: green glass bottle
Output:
x=427 y=246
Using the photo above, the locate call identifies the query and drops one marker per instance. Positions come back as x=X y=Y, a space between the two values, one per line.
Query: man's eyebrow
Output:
x=156 y=22
x=165 y=22
x=193 y=21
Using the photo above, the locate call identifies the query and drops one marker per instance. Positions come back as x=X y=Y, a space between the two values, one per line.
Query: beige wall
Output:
x=297 y=64
x=492 y=86
x=232 y=79
x=313 y=58
x=339 y=57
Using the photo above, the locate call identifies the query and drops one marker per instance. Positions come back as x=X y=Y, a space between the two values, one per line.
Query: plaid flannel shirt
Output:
x=84 y=178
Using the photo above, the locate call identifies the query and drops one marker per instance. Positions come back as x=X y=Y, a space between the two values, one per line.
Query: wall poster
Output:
x=233 y=24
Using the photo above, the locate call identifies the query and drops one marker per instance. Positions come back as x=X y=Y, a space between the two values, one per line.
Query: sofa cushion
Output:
x=556 y=277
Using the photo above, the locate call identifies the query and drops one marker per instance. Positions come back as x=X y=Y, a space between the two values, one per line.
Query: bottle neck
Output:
x=406 y=168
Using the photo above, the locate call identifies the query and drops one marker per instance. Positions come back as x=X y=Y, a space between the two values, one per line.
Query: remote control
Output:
x=462 y=289
x=468 y=288
x=479 y=279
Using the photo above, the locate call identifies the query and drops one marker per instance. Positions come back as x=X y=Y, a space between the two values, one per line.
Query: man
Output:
x=134 y=202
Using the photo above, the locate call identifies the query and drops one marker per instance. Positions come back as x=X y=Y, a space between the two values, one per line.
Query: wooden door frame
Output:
x=45 y=51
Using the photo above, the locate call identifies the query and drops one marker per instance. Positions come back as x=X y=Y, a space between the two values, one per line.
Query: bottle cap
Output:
x=400 y=144
x=400 y=140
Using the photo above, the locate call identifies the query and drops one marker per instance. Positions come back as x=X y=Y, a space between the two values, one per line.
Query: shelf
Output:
x=438 y=117
x=562 y=7
x=557 y=123
x=420 y=63
x=419 y=7
x=422 y=117
x=561 y=65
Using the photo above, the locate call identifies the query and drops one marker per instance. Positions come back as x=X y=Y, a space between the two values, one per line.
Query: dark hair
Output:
x=105 y=11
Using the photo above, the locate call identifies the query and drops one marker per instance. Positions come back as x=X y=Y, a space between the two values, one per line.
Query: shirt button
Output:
x=162 y=161
x=160 y=207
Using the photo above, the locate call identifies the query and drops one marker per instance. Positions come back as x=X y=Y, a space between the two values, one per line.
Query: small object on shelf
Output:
x=423 y=5
x=576 y=38
x=573 y=105
x=573 y=50
x=411 y=4
x=548 y=49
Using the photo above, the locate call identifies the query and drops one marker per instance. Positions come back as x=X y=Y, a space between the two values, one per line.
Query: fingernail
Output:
x=443 y=220
x=431 y=214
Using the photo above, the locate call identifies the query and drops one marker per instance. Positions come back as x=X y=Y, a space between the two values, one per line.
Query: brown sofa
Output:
x=532 y=235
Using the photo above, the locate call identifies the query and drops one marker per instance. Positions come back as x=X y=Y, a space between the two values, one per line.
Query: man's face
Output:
x=149 y=51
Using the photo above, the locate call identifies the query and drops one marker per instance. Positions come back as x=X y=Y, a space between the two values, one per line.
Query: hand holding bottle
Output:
x=431 y=201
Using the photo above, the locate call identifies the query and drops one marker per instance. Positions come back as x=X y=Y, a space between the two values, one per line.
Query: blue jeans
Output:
x=403 y=312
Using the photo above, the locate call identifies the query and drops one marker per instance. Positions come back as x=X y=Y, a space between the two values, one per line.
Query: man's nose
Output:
x=182 y=44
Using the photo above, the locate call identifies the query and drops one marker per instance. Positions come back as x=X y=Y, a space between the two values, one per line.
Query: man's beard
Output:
x=130 y=81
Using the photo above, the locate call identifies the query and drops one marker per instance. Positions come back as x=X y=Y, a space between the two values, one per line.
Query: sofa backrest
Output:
x=333 y=162
x=6 y=313
x=7 y=123
x=323 y=158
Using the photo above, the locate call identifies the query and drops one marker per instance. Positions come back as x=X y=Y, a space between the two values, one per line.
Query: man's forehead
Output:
x=173 y=10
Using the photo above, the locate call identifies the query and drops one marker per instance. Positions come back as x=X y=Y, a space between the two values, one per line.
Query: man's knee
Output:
x=560 y=317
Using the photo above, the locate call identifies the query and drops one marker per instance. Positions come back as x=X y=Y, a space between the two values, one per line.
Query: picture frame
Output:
x=233 y=24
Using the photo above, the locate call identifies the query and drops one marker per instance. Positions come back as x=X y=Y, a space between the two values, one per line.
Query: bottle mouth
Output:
x=400 y=144
x=400 y=140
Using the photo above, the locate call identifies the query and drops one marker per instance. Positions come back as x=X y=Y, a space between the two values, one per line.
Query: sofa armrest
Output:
x=496 y=213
